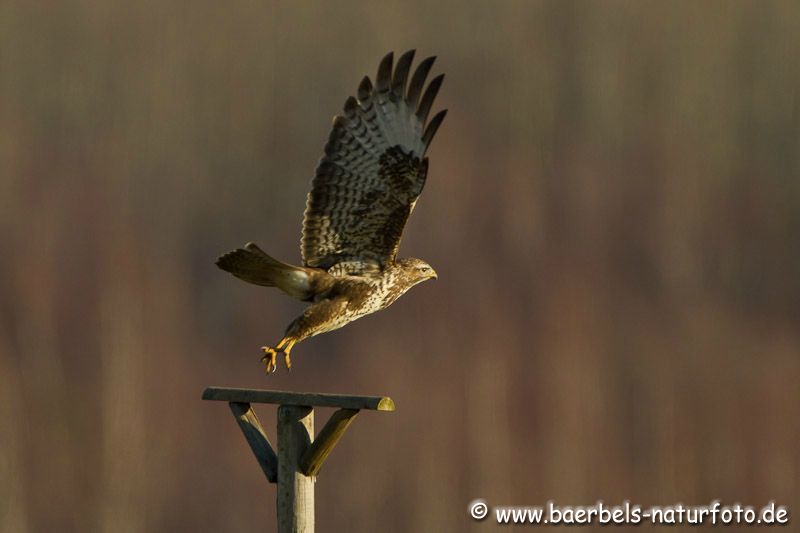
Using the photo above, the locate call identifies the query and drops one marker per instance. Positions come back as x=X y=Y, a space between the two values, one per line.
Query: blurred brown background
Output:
x=613 y=208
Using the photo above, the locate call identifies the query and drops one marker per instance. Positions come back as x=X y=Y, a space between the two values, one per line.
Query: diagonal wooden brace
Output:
x=323 y=444
x=256 y=438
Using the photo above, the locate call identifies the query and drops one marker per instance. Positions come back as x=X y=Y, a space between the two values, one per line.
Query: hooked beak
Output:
x=433 y=275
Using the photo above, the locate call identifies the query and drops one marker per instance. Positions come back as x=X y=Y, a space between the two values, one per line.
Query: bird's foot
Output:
x=271 y=355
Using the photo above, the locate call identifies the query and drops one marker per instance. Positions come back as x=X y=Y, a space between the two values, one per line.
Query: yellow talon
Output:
x=269 y=357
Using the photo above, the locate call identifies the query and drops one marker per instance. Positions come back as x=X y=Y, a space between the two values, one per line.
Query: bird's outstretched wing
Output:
x=372 y=172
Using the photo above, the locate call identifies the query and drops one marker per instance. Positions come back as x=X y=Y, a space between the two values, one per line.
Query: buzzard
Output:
x=362 y=193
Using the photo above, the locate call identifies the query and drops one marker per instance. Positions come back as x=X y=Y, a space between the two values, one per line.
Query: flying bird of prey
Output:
x=364 y=190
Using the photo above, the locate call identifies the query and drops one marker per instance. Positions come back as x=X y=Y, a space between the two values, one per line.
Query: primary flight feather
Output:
x=362 y=193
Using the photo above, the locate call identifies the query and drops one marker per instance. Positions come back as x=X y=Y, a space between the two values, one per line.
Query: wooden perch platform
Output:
x=308 y=399
x=300 y=456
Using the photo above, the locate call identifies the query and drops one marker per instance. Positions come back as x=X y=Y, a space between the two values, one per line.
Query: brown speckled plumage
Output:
x=362 y=193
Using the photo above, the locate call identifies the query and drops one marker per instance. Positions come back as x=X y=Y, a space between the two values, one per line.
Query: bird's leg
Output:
x=287 y=348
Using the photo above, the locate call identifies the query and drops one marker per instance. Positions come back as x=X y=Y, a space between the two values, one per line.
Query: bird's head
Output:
x=417 y=270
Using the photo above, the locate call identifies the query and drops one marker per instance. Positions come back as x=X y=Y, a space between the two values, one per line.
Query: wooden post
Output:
x=295 y=490
x=299 y=456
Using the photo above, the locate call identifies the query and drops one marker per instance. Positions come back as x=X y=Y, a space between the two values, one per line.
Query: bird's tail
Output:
x=253 y=265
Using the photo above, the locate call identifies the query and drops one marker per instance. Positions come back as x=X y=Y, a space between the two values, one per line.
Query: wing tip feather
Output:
x=350 y=105
x=383 y=79
x=403 y=67
x=418 y=80
x=364 y=89
x=433 y=126
x=430 y=95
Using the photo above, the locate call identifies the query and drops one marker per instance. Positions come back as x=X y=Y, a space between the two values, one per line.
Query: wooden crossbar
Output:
x=308 y=399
